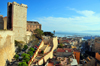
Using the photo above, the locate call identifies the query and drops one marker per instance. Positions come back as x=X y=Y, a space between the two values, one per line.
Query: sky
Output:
x=81 y=16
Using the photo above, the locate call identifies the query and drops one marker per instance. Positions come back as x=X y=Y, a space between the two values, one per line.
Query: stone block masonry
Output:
x=18 y=20
x=1 y=22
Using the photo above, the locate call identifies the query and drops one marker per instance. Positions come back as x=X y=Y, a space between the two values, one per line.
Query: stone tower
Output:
x=1 y=22
x=17 y=19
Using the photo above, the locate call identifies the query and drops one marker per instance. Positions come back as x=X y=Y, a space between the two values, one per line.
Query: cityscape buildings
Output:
x=48 y=50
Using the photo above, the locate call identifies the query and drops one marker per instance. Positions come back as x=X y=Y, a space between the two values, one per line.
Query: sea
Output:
x=85 y=36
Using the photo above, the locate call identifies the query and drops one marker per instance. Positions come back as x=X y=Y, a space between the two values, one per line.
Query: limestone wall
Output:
x=28 y=36
x=36 y=53
x=7 y=47
x=5 y=22
x=19 y=20
x=50 y=54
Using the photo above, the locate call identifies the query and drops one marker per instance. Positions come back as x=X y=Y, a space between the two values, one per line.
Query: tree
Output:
x=19 y=44
x=24 y=60
x=23 y=55
x=25 y=47
x=39 y=33
x=22 y=64
x=60 y=46
x=54 y=32
x=32 y=49
x=30 y=53
x=16 y=57
x=26 y=57
x=16 y=43
x=19 y=48
x=48 y=34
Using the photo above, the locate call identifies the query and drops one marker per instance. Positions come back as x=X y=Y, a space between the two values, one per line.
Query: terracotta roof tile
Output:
x=69 y=50
x=60 y=50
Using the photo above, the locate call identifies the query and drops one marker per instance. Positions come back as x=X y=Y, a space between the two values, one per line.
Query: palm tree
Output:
x=54 y=32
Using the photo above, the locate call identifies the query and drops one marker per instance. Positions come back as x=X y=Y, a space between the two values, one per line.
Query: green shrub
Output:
x=32 y=49
x=16 y=43
x=60 y=46
x=16 y=56
x=22 y=64
x=25 y=47
x=30 y=53
x=23 y=55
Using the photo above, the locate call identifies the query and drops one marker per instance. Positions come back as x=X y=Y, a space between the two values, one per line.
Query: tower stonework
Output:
x=17 y=19
x=9 y=16
x=1 y=22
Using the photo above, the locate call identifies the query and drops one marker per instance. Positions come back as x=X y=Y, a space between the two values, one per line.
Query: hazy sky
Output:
x=61 y=15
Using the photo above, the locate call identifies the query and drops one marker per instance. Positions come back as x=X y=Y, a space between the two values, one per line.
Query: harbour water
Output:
x=72 y=35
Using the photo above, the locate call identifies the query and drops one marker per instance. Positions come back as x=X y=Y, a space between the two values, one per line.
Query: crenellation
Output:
x=21 y=5
x=18 y=20
x=9 y=3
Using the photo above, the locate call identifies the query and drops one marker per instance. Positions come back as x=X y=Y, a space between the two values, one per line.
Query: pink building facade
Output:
x=32 y=25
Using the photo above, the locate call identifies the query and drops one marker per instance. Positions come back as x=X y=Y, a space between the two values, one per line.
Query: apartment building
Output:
x=97 y=45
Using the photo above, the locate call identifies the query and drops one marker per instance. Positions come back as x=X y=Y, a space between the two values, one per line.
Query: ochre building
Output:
x=97 y=45
x=32 y=25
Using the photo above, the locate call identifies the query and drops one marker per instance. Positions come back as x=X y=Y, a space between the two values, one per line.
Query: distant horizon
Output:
x=75 y=33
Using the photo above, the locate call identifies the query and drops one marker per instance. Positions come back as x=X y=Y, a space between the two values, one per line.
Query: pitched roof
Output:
x=69 y=50
x=63 y=50
x=60 y=50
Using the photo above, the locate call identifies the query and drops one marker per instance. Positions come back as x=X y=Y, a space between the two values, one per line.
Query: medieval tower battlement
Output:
x=17 y=19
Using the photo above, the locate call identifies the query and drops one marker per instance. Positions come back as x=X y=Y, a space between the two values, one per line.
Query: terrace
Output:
x=44 y=52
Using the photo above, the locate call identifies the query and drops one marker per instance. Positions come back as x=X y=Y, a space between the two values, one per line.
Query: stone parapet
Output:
x=22 y=5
